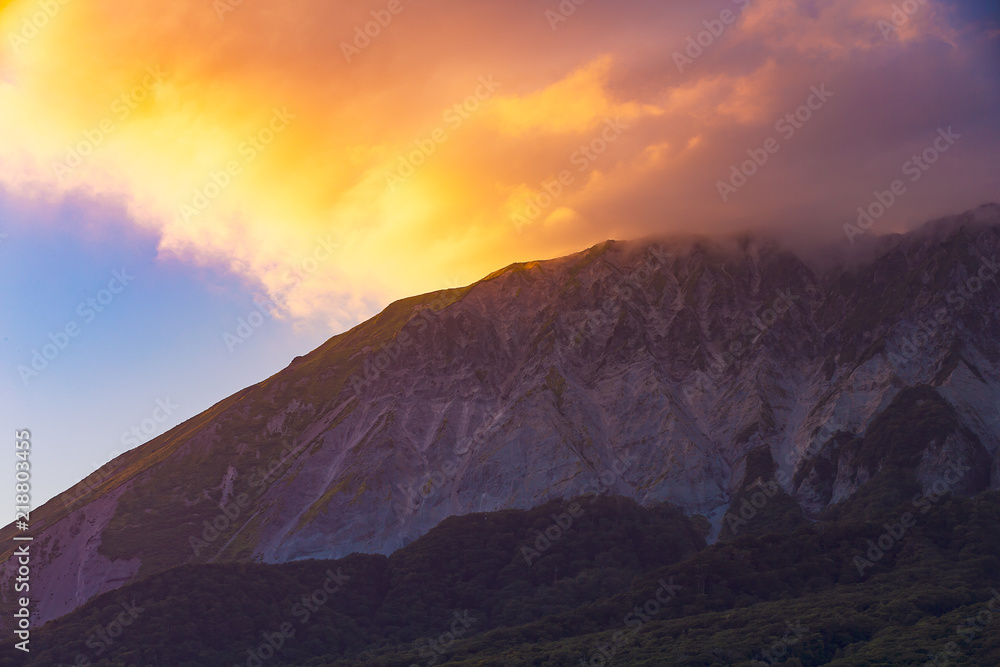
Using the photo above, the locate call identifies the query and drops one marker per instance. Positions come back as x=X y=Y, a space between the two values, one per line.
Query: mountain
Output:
x=733 y=378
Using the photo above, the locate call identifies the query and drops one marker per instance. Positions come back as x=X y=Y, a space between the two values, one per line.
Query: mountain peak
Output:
x=676 y=369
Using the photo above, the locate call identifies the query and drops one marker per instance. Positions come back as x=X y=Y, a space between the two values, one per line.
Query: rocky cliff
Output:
x=650 y=369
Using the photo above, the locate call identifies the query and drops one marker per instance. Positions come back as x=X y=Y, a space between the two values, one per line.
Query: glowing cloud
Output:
x=246 y=139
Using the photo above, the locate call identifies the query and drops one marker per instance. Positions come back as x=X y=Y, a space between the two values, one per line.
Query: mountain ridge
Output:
x=652 y=367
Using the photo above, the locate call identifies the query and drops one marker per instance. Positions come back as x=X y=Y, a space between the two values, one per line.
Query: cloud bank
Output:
x=337 y=157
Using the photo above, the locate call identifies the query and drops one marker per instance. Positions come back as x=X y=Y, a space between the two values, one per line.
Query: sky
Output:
x=195 y=193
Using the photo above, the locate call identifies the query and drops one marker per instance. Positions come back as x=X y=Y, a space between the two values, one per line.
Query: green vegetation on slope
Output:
x=566 y=581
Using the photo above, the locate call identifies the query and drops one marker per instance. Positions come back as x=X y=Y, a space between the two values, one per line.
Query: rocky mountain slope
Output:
x=682 y=370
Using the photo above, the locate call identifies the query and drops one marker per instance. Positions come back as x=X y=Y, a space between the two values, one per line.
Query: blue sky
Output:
x=159 y=342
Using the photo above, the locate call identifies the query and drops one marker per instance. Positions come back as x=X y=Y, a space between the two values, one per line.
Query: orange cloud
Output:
x=576 y=103
x=260 y=147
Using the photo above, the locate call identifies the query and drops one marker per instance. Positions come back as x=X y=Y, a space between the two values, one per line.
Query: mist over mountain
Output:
x=700 y=372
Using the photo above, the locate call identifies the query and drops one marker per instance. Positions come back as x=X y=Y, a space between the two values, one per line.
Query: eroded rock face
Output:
x=73 y=571
x=648 y=370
